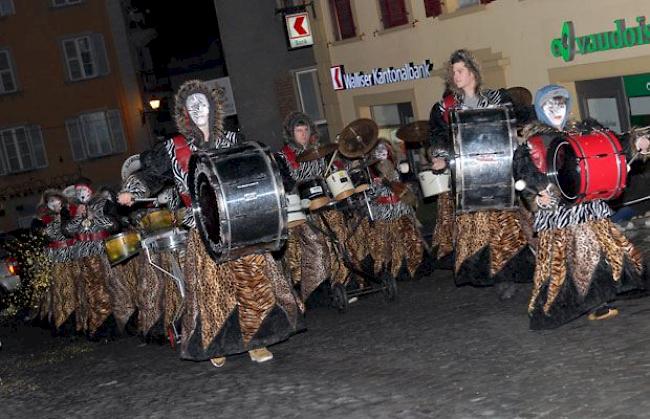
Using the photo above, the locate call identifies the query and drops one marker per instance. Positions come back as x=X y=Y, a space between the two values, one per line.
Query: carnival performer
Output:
x=583 y=260
x=62 y=272
x=231 y=307
x=393 y=238
x=92 y=221
x=310 y=253
x=489 y=246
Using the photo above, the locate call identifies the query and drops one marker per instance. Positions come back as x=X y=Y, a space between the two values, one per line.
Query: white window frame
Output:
x=79 y=135
x=9 y=70
x=314 y=72
x=76 y=42
x=32 y=144
x=65 y=3
x=7 y=8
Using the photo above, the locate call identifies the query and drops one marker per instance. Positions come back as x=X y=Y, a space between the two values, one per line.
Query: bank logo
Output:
x=337 y=72
x=568 y=45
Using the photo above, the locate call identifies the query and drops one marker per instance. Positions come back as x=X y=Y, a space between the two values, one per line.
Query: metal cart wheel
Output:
x=389 y=286
x=340 y=298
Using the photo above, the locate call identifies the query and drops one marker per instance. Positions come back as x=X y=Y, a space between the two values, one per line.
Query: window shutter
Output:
x=117 y=132
x=76 y=139
x=99 y=54
x=433 y=8
x=393 y=13
x=38 y=147
x=7 y=7
x=342 y=18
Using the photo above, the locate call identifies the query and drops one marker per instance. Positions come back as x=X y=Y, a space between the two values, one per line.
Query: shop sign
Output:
x=568 y=45
x=299 y=30
x=637 y=85
x=379 y=76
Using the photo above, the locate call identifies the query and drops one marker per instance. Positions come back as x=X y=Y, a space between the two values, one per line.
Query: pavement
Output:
x=437 y=352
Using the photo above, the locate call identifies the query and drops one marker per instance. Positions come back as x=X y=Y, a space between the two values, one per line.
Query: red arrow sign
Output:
x=297 y=26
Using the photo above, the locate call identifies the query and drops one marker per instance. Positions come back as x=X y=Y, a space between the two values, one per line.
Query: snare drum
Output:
x=174 y=239
x=296 y=215
x=157 y=220
x=360 y=178
x=122 y=246
x=433 y=184
x=313 y=191
x=586 y=167
x=340 y=185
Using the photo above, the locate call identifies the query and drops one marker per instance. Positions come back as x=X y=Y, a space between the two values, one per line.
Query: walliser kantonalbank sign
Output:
x=568 y=45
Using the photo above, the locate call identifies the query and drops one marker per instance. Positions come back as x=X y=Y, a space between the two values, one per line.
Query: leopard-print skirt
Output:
x=94 y=306
x=234 y=306
x=122 y=288
x=579 y=268
x=442 y=242
x=62 y=288
x=307 y=257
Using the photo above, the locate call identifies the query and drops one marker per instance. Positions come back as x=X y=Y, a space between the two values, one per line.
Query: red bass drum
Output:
x=586 y=167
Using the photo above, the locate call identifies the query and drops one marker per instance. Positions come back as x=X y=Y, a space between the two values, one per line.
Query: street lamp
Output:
x=154 y=104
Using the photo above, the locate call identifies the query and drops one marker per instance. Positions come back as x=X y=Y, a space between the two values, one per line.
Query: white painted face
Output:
x=301 y=134
x=83 y=193
x=198 y=108
x=381 y=152
x=463 y=77
x=54 y=204
x=555 y=111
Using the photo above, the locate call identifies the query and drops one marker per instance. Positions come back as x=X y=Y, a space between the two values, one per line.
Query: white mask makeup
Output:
x=54 y=204
x=198 y=108
x=555 y=111
x=381 y=152
x=83 y=194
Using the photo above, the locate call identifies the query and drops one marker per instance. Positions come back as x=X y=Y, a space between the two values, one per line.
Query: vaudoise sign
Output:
x=379 y=76
x=568 y=45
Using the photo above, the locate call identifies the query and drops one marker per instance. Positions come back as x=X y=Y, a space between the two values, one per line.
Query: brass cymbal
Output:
x=415 y=132
x=316 y=153
x=358 y=138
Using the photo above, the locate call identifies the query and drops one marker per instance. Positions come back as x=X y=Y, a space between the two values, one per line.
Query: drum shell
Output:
x=484 y=143
x=340 y=185
x=361 y=179
x=168 y=240
x=601 y=171
x=238 y=201
x=434 y=184
x=122 y=246
x=296 y=216
x=157 y=220
x=313 y=191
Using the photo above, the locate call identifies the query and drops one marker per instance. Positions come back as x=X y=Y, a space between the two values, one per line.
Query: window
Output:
x=393 y=13
x=310 y=98
x=61 y=3
x=22 y=149
x=7 y=78
x=96 y=134
x=85 y=57
x=342 y=19
x=467 y=3
x=433 y=8
x=7 y=8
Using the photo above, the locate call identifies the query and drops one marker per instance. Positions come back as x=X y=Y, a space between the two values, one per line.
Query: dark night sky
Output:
x=185 y=30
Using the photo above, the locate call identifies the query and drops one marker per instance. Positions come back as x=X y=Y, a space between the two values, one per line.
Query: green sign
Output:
x=637 y=85
x=568 y=45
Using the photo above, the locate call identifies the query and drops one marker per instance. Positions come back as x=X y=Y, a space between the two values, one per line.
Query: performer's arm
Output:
x=156 y=172
x=439 y=138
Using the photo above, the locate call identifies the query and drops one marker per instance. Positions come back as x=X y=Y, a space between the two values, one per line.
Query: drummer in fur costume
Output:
x=92 y=221
x=583 y=260
x=309 y=254
x=490 y=247
x=241 y=305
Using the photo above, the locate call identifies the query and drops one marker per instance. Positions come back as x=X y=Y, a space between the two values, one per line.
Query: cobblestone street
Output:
x=439 y=351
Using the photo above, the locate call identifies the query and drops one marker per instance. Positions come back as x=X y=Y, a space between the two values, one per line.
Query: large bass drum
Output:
x=484 y=144
x=238 y=201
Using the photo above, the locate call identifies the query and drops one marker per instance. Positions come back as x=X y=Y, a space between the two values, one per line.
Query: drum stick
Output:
x=145 y=199
x=331 y=161
x=521 y=186
x=645 y=198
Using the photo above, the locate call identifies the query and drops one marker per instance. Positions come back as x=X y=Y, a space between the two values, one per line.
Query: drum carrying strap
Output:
x=538 y=153
x=449 y=103
x=183 y=153
x=291 y=156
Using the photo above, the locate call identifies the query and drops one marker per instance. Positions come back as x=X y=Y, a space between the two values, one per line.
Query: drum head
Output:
x=564 y=168
x=208 y=208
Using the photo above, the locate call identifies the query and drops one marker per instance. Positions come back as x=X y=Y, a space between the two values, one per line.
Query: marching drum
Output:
x=484 y=143
x=296 y=215
x=312 y=191
x=360 y=178
x=238 y=201
x=340 y=185
x=586 y=167
x=122 y=246
x=168 y=240
x=157 y=220
x=433 y=184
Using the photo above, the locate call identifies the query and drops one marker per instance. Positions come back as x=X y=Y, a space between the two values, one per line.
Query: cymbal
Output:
x=316 y=153
x=415 y=132
x=358 y=138
x=404 y=193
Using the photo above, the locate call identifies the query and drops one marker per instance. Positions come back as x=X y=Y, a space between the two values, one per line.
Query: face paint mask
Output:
x=198 y=108
x=381 y=152
x=555 y=112
x=54 y=204
x=83 y=194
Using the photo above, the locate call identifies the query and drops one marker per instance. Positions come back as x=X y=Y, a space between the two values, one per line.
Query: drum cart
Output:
x=341 y=292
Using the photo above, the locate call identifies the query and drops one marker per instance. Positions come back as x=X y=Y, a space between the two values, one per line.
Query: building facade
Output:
x=385 y=59
x=70 y=101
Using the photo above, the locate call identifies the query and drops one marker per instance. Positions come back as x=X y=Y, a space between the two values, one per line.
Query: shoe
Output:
x=603 y=313
x=218 y=362
x=260 y=355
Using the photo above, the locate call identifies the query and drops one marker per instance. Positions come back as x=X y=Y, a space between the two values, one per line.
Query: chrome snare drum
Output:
x=238 y=201
x=484 y=144
x=175 y=239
